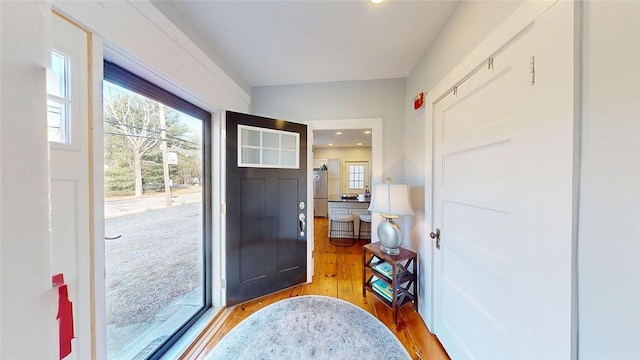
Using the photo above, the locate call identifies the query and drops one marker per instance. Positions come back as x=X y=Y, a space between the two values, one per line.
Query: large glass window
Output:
x=157 y=215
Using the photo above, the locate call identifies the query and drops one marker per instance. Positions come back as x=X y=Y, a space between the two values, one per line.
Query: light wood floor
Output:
x=338 y=273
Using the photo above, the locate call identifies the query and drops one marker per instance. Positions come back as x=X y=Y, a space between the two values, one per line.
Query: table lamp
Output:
x=390 y=201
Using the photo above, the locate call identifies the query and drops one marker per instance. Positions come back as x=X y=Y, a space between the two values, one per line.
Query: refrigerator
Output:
x=320 y=192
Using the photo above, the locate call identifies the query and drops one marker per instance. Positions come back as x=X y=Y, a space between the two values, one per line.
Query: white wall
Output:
x=343 y=100
x=469 y=24
x=609 y=211
x=141 y=34
x=28 y=304
x=348 y=153
x=188 y=27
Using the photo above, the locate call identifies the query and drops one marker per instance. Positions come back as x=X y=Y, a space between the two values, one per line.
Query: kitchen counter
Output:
x=337 y=198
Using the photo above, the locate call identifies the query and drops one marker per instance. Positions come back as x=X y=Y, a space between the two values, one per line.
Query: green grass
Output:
x=157 y=261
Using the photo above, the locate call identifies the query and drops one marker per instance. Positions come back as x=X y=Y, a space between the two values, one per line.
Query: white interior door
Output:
x=69 y=167
x=490 y=182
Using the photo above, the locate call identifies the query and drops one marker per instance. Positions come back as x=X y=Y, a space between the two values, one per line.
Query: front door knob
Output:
x=436 y=236
x=302 y=223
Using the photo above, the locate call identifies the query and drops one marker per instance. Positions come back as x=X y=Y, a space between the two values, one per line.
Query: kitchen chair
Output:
x=341 y=229
x=364 y=231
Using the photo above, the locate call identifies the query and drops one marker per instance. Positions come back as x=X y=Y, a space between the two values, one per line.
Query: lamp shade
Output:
x=390 y=199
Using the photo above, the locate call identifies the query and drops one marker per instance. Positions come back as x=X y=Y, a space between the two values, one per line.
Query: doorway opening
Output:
x=346 y=156
x=320 y=127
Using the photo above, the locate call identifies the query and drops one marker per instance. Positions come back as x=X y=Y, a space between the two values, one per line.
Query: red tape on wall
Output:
x=65 y=316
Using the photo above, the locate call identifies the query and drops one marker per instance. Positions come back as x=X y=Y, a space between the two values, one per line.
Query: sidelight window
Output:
x=58 y=98
x=157 y=215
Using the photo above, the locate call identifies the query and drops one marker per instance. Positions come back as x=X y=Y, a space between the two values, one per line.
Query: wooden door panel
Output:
x=468 y=229
x=288 y=254
x=458 y=126
x=291 y=258
x=475 y=330
x=253 y=230
x=252 y=221
x=266 y=251
x=479 y=282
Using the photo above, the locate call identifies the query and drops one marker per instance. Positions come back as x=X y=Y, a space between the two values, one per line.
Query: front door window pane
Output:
x=250 y=137
x=267 y=148
x=270 y=140
x=289 y=142
x=289 y=158
x=270 y=157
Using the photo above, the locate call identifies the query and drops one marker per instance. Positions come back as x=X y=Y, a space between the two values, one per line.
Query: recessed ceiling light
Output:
x=377 y=1
x=330 y=144
x=368 y=132
x=359 y=144
x=339 y=133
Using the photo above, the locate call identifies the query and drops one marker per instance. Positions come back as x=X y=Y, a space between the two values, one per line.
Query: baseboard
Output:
x=199 y=348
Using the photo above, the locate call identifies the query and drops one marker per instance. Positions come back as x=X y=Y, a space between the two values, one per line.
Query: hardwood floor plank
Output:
x=337 y=273
x=426 y=344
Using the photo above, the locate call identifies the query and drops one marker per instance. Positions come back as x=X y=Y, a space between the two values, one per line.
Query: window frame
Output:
x=366 y=181
x=64 y=101
x=261 y=148
x=353 y=170
x=124 y=78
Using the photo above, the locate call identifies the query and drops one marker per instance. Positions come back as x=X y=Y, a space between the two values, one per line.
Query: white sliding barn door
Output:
x=70 y=185
x=500 y=185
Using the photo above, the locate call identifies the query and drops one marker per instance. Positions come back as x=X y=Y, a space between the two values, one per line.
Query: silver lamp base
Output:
x=390 y=236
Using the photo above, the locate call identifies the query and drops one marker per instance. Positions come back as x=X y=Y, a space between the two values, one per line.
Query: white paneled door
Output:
x=68 y=118
x=494 y=201
x=474 y=187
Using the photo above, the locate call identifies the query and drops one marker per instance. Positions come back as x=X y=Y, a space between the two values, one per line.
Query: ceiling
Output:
x=342 y=138
x=270 y=42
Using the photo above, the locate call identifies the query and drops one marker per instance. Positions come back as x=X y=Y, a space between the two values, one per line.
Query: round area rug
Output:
x=310 y=327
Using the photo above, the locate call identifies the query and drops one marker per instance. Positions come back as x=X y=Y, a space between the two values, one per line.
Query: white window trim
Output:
x=367 y=177
x=261 y=147
x=65 y=101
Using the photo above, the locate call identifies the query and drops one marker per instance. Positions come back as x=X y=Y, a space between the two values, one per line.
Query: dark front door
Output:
x=266 y=206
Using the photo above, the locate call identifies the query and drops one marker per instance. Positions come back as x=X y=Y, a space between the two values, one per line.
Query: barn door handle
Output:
x=436 y=236
x=302 y=223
